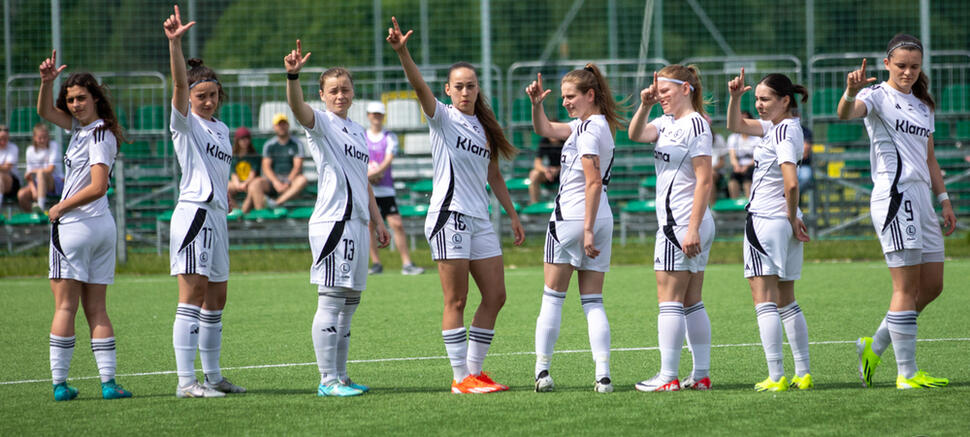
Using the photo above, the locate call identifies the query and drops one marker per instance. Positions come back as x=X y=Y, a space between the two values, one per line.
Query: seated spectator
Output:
x=282 y=167
x=9 y=156
x=245 y=168
x=545 y=169
x=805 y=172
x=44 y=176
x=719 y=159
x=741 y=148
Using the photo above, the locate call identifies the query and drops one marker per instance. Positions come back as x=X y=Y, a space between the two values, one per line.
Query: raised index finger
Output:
x=396 y=26
x=299 y=47
x=863 y=65
x=742 y=76
x=539 y=80
x=177 y=17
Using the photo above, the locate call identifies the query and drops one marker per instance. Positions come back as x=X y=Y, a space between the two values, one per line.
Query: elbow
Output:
x=594 y=186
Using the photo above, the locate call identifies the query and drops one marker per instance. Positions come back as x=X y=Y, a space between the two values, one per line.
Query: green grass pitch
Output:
x=397 y=350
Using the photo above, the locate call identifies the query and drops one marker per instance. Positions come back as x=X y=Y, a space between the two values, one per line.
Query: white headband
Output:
x=676 y=81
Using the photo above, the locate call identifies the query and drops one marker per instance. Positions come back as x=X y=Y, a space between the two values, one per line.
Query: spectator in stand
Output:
x=545 y=169
x=805 y=172
x=282 y=167
x=245 y=169
x=719 y=160
x=741 y=147
x=44 y=175
x=9 y=178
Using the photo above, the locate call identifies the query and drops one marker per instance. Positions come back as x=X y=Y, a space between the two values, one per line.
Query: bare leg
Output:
x=298 y=184
x=400 y=238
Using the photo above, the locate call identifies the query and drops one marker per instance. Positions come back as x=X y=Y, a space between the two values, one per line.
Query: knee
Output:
x=456 y=304
x=494 y=300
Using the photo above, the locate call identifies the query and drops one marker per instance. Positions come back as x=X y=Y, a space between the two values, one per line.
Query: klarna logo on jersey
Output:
x=352 y=152
x=214 y=152
x=467 y=145
x=906 y=127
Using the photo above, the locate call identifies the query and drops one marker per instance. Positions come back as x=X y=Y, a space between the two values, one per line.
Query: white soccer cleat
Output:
x=196 y=390
x=224 y=386
x=659 y=383
x=544 y=382
x=604 y=385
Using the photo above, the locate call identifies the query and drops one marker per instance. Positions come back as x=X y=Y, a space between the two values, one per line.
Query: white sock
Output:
x=325 y=334
x=343 y=332
x=41 y=201
x=671 y=330
x=185 y=340
x=699 y=339
x=902 y=329
x=769 y=324
x=210 y=344
x=797 y=331
x=62 y=349
x=456 y=345
x=104 y=355
x=599 y=332
x=547 y=327
x=881 y=339
x=479 y=340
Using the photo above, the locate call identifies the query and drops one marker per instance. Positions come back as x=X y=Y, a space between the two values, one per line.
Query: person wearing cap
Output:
x=382 y=146
x=246 y=164
x=282 y=167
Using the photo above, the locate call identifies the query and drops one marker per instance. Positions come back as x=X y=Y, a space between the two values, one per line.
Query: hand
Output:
x=518 y=231
x=375 y=178
x=736 y=86
x=49 y=69
x=55 y=213
x=949 y=218
x=550 y=174
x=295 y=61
x=799 y=230
x=691 y=244
x=279 y=186
x=588 y=239
x=395 y=38
x=738 y=168
x=651 y=95
x=535 y=92
x=857 y=80
x=383 y=238
x=174 y=29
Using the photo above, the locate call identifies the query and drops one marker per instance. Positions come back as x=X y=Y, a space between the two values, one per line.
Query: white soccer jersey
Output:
x=339 y=149
x=204 y=152
x=899 y=127
x=90 y=145
x=38 y=159
x=743 y=147
x=460 y=153
x=679 y=142
x=11 y=155
x=780 y=143
x=588 y=137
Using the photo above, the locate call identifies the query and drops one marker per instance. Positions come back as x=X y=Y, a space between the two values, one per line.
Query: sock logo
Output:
x=332 y=330
x=194 y=330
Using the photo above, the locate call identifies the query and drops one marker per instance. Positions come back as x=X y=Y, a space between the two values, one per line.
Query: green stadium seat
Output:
x=515 y=205
x=962 y=130
x=730 y=205
x=122 y=117
x=423 y=186
x=150 y=118
x=22 y=120
x=517 y=184
x=640 y=206
x=27 y=219
x=942 y=131
x=137 y=149
x=413 y=210
x=234 y=215
x=649 y=182
x=845 y=132
x=236 y=115
x=165 y=216
x=301 y=213
x=539 y=208
x=265 y=214
x=955 y=98
x=825 y=101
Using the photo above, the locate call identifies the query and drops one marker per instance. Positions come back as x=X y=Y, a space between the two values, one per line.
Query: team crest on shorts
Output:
x=911 y=231
x=345 y=268
x=204 y=257
x=456 y=238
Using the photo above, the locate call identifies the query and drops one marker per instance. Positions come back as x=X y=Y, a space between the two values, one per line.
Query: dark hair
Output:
x=335 y=72
x=199 y=72
x=235 y=147
x=782 y=86
x=590 y=78
x=493 y=131
x=921 y=88
x=102 y=102
x=692 y=76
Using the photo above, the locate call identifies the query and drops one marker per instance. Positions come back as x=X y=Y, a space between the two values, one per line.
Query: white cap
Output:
x=375 y=107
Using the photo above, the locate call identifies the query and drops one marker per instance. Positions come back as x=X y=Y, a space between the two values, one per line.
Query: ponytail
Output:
x=591 y=78
x=493 y=130
x=782 y=86
x=921 y=89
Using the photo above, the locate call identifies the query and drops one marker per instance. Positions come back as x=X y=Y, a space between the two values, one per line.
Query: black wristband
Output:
x=292 y=76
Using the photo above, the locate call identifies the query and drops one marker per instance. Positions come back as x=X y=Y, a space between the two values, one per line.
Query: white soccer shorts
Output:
x=199 y=242
x=454 y=235
x=770 y=248
x=340 y=251
x=908 y=228
x=564 y=244
x=84 y=250
x=668 y=254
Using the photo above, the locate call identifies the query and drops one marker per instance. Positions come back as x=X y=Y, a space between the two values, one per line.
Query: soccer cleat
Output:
x=544 y=382
x=411 y=270
x=768 y=385
x=604 y=385
x=690 y=384
x=486 y=378
x=224 y=386
x=658 y=383
x=375 y=269
x=472 y=384
x=64 y=392
x=337 y=388
x=349 y=383
x=196 y=390
x=920 y=380
x=868 y=360
x=113 y=390
x=803 y=382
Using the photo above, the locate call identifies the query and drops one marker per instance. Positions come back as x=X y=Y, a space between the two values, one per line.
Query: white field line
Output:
x=507 y=354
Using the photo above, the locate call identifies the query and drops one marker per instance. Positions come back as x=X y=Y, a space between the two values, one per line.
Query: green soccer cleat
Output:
x=920 y=380
x=337 y=388
x=64 y=392
x=868 y=360
x=112 y=390
x=803 y=382
x=768 y=385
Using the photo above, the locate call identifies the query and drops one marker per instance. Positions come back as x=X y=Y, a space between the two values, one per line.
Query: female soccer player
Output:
x=466 y=141
x=774 y=232
x=83 y=234
x=199 y=240
x=580 y=232
x=44 y=174
x=684 y=178
x=339 y=239
x=900 y=121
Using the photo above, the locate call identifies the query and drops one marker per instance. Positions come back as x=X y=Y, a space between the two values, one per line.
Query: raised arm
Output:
x=398 y=42
x=45 y=97
x=294 y=62
x=174 y=29
x=849 y=107
x=540 y=123
x=735 y=122
x=640 y=129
